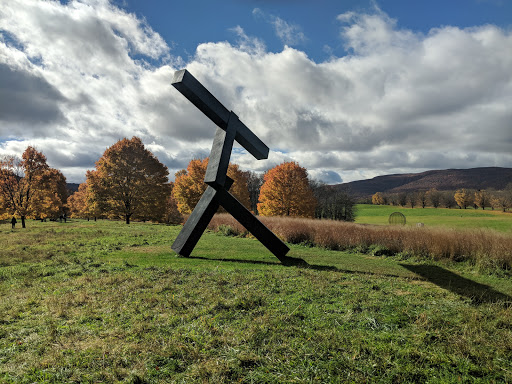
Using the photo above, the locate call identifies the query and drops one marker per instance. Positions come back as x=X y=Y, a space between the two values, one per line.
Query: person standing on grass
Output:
x=13 y=222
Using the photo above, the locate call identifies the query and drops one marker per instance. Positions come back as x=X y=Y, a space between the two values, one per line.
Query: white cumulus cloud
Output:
x=77 y=77
x=289 y=33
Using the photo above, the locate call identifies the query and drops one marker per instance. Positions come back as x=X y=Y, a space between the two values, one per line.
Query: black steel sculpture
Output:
x=230 y=128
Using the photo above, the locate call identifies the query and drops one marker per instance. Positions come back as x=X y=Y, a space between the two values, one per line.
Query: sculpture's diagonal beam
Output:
x=198 y=95
x=220 y=154
x=252 y=224
x=198 y=221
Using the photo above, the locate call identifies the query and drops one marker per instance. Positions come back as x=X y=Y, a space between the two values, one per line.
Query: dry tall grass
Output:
x=483 y=247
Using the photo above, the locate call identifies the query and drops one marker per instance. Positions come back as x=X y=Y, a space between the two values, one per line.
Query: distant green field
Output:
x=453 y=218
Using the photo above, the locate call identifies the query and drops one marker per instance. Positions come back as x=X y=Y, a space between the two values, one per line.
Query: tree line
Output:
x=460 y=198
x=130 y=183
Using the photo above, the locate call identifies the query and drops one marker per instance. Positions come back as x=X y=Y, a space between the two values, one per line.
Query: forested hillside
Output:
x=442 y=180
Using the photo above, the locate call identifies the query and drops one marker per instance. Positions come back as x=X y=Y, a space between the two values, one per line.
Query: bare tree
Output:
x=422 y=198
x=501 y=200
x=412 y=199
x=434 y=196
x=393 y=199
x=333 y=203
x=254 y=183
x=402 y=199
x=448 y=199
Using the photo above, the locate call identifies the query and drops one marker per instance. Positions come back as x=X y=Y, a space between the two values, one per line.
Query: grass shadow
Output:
x=295 y=262
x=478 y=293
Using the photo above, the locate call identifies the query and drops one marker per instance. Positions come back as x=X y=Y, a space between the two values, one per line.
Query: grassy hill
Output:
x=443 y=180
x=105 y=302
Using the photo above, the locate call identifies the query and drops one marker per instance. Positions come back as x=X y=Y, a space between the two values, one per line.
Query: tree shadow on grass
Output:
x=476 y=292
x=288 y=261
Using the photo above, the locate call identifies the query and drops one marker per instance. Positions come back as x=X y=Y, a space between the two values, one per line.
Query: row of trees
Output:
x=284 y=190
x=129 y=182
x=462 y=198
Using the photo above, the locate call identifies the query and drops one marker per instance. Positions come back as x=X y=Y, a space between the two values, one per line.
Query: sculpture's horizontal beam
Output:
x=198 y=95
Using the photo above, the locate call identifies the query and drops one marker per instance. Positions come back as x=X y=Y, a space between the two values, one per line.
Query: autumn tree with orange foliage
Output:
x=129 y=181
x=286 y=192
x=82 y=205
x=78 y=203
x=172 y=214
x=29 y=187
x=3 y=209
x=189 y=185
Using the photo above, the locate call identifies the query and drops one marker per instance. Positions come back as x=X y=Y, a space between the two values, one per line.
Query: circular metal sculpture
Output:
x=397 y=218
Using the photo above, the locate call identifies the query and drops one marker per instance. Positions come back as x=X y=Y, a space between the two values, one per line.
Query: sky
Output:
x=348 y=89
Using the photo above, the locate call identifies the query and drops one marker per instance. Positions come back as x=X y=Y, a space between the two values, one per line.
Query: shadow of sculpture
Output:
x=300 y=263
x=286 y=261
x=476 y=292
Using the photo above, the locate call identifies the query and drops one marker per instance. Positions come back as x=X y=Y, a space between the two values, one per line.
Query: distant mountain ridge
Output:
x=442 y=180
x=72 y=186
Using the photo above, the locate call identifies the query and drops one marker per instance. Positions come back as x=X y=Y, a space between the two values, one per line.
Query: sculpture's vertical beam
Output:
x=252 y=224
x=198 y=221
x=220 y=154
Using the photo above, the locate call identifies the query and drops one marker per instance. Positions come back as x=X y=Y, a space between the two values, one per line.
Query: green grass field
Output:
x=91 y=302
x=453 y=218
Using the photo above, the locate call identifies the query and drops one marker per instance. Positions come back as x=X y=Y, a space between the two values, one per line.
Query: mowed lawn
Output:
x=453 y=217
x=91 y=302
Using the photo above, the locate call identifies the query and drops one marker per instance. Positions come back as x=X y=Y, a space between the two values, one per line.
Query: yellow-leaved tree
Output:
x=189 y=185
x=481 y=198
x=378 y=199
x=286 y=192
x=463 y=198
x=128 y=182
